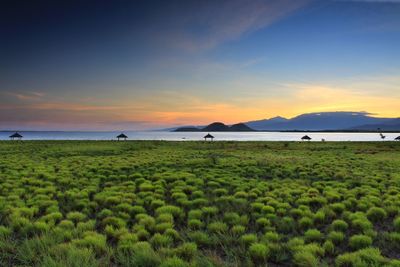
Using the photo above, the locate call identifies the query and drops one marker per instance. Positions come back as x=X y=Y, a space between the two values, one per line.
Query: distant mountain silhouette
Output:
x=339 y=120
x=186 y=129
x=391 y=125
x=320 y=121
x=240 y=127
x=217 y=127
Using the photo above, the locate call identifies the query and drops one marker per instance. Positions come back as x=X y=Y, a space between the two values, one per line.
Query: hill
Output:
x=339 y=120
x=217 y=127
x=391 y=125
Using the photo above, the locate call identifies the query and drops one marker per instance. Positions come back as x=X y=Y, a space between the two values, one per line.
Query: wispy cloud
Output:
x=27 y=96
x=216 y=22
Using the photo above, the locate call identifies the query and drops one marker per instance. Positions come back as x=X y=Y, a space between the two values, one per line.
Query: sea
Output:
x=195 y=136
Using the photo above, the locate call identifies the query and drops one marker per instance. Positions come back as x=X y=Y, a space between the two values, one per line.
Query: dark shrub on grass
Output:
x=360 y=241
x=259 y=252
x=376 y=214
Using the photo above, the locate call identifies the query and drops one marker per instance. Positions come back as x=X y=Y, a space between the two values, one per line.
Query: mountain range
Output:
x=320 y=121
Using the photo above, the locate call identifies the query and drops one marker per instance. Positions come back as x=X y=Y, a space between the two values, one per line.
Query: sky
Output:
x=134 y=65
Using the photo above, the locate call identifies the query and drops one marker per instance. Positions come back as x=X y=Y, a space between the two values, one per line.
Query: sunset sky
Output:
x=132 y=65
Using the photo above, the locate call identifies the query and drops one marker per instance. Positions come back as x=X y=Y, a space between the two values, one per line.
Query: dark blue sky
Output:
x=145 y=64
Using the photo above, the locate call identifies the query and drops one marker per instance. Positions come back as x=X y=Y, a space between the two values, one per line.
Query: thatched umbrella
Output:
x=208 y=136
x=122 y=136
x=306 y=137
x=16 y=135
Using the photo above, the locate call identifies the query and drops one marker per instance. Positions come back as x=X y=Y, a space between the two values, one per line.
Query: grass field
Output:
x=172 y=204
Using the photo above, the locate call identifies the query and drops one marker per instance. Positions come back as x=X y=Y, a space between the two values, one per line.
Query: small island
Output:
x=218 y=127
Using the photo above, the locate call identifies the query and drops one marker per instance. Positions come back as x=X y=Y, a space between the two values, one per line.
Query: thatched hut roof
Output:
x=16 y=135
x=306 y=137
x=208 y=136
x=122 y=136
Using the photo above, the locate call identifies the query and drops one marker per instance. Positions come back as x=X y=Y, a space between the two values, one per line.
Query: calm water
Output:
x=190 y=136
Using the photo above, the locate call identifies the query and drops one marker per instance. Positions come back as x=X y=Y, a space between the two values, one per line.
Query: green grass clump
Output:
x=141 y=255
x=248 y=239
x=195 y=224
x=174 y=262
x=4 y=231
x=313 y=235
x=258 y=252
x=69 y=256
x=360 y=241
x=339 y=225
x=159 y=240
x=376 y=214
x=200 y=238
x=217 y=227
x=336 y=237
x=396 y=224
x=76 y=216
x=364 y=257
x=92 y=240
x=305 y=259
x=187 y=250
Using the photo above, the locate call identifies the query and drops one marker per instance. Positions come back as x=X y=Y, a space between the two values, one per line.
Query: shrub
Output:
x=142 y=234
x=338 y=207
x=258 y=252
x=360 y=241
x=174 y=210
x=195 y=214
x=271 y=237
x=141 y=255
x=162 y=227
x=4 y=231
x=86 y=226
x=313 y=235
x=173 y=262
x=200 y=238
x=218 y=227
x=336 y=237
x=396 y=224
x=305 y=259
x=76 y=216
x=66 y=255
x=305 y=222
x=231 y=218
x=165 y=218
x=92 y=240
x=363 y=257
x=340 y=225
x=127 y=240
x=268 y=209
x=172 y=233
x=295 y=243
x=313 y=248
x=187 y=251
x=329 y=247
x=159 y=240
x=361 y=224
x=262 y=222
x=238 y=229
x=195 y=224
x=376 y=214
x=66 y=224
x=248 y=239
